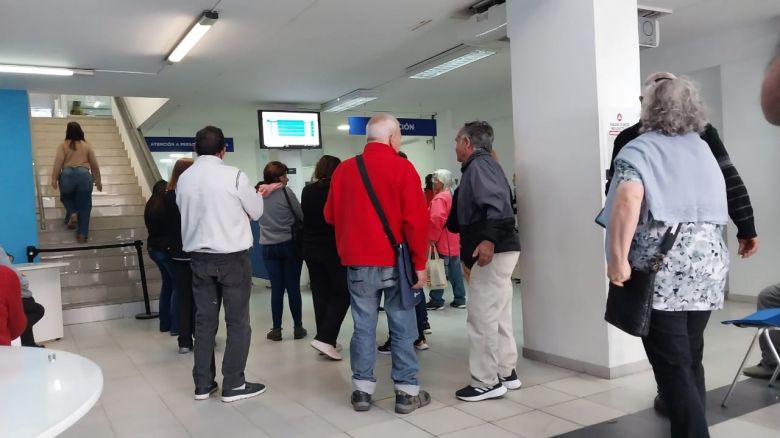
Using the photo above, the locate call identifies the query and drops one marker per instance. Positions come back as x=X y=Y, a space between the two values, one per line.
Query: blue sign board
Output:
x=416 y=127
x=178 y=144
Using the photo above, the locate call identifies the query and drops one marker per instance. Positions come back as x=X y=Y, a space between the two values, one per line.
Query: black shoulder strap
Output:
x=289 y=204
x=375 y=201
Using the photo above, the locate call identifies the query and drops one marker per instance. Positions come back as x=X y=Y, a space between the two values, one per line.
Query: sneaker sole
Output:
x=361 y=407
x=325 y=353
x=233 y=398
x=493 y=393
x=512 y=384
x=403 y=409
x=207 y=395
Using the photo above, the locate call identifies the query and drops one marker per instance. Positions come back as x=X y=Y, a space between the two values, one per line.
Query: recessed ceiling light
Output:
x=343 y=127
x=349 y=101
x=447 y=61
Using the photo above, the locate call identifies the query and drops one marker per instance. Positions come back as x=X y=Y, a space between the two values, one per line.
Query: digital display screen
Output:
x=289 y=129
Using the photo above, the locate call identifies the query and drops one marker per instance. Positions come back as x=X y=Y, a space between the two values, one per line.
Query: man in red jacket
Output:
x=366 y=250
x=12 y=319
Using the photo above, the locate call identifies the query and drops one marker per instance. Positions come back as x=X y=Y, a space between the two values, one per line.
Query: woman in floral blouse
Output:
x=666 y=177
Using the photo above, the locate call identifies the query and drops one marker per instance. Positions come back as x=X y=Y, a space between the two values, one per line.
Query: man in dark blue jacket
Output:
x=482 y=214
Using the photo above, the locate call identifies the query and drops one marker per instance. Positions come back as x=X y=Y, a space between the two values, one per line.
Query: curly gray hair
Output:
x=673 y=107
x=444 y=176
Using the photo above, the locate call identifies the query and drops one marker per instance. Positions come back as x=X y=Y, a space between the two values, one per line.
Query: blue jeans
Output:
x=76 y=195
x=455 y=276
x=169 y=300
x=284 y=271
x=366 y=286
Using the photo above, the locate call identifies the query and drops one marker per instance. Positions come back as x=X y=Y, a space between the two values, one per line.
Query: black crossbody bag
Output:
x=296 y=228
x=629 y=307
x=403 y=260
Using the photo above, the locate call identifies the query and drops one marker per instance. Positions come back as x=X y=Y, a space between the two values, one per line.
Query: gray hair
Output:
x=656 y=78
x=444 y=176
x=673 y=107
x=480 y=134
x=381 y=127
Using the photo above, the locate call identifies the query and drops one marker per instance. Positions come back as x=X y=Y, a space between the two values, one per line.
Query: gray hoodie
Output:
x=277 y=219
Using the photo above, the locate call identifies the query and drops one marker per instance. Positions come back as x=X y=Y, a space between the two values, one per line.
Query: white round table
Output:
x=43 y=392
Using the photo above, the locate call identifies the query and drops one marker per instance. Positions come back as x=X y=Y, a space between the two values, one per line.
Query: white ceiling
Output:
x=286 y=51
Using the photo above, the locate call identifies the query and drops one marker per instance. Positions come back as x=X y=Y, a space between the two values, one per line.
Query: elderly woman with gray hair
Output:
x=667 y=177
x=446 y=243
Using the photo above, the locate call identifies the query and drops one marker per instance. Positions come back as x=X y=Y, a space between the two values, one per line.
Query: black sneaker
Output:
x=406 y=404
x=205 y=393
x=431 y=306
x=361 y=401
x=250 y=390
x=427 y=328
x=274 y=334
x=511 y=381
x=472 y=394
x=384 y=349
x=457 y=306
x=299 y=332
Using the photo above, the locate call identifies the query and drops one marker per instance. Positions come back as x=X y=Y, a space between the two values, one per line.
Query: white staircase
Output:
x=103 y=276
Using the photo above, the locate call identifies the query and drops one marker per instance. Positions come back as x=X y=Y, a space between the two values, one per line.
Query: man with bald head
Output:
x=365 y=249
x=770 y=92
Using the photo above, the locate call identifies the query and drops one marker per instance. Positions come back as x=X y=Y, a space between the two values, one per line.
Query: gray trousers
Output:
x=769 y=298
x=218 y=278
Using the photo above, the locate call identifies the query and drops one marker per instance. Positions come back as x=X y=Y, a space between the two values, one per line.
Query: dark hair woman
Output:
x=328 y=277
x=180 y=260
x=71 y=174
x=281 y=213
x=158 y=244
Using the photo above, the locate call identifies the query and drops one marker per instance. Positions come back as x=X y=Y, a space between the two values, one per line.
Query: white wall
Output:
x=740 y=57
x=141 y=108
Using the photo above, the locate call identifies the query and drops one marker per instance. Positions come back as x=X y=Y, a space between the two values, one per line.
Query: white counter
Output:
x=45 y=287
x=42 y=397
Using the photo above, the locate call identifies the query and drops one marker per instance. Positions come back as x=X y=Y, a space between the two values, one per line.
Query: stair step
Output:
x=74 y=297
x=104 y=170
x=107 y=179
x=54 y=143
x=106 y=278
x=88 y=129
x=96 y=237
x=100 y=200
x=81 y=120
x=59 y=137
x=98 y=260
x=48 y=161
x=108 y=190
x=129 y=210
x=100 y=223
x=99 y=152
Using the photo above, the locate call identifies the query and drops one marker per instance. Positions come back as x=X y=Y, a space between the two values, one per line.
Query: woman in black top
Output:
x=328 y=277
x=158 y=244
x=180 y=260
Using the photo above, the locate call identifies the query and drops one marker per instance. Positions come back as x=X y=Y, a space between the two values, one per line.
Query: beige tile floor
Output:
x=148 y=387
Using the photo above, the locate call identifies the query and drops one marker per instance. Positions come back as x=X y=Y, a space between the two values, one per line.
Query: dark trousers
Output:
x=218 y=278
x=284 y=271
x=34 y=313
x=675 y=346
x=182 y=278
x=169 y=305
x=330 y=295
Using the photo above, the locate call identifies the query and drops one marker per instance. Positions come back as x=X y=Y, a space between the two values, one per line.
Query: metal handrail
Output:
x=39 y=195
x=32 y=253
x=138 y=143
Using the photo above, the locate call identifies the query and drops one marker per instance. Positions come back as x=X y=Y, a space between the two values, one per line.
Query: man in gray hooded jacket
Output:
x=482 y=214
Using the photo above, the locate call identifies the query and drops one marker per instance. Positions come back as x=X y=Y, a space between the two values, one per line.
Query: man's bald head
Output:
x=384 y=128
x=770 y=92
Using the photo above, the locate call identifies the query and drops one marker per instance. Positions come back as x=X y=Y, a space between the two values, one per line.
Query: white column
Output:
x=575 y=66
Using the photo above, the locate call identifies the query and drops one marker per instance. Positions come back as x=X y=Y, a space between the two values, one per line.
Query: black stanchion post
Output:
x=32 y=252
x=149 y=314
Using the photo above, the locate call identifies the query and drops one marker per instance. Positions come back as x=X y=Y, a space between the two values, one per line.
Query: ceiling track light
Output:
x=194 y=34
x=43 y=70
x=349 y=101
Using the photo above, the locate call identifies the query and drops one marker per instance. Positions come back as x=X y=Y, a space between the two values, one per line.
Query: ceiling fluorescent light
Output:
x=49 y=71
x=196 y=32
x=447 y=61
x=349 y=101
x=343 y=127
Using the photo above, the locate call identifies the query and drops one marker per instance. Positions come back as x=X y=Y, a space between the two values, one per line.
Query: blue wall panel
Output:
x=18 y=226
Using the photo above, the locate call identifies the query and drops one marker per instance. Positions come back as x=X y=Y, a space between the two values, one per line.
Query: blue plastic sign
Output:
x=178 y=144
x=414 y=127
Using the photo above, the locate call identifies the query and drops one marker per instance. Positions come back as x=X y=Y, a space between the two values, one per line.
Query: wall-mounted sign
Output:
x=178 y=144
x=416 y=127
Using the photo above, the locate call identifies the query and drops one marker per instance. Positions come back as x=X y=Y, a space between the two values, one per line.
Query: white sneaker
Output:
x=326 y=349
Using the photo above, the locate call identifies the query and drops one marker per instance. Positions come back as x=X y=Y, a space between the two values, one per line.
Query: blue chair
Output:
x=765 y=321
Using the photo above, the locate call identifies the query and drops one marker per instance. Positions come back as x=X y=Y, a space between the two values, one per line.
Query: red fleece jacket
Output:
x=360 y=238
x=12 y=318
